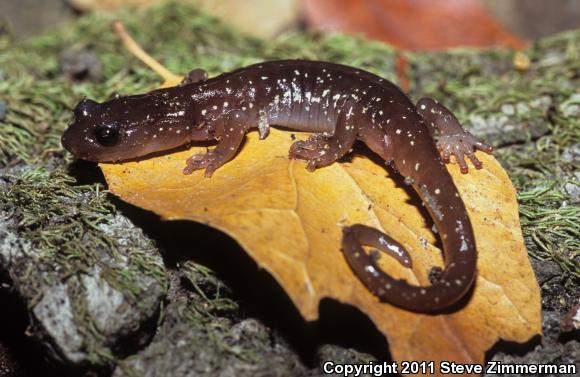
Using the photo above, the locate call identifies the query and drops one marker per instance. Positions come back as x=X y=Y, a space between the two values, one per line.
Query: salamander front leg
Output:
x=320 y=150
x=454 y=140
x=230 y=134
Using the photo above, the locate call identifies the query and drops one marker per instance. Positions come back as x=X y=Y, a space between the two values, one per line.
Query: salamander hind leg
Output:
x=453 y=140
x=321 y=150
x=230 y=132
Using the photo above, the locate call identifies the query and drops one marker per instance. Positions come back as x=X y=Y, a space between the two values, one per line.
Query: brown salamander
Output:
x=340 y=105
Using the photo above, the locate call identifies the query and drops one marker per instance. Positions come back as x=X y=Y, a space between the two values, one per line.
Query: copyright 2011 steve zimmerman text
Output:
x=445 y=367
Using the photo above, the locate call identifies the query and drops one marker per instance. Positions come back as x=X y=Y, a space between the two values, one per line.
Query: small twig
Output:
x=134 y=48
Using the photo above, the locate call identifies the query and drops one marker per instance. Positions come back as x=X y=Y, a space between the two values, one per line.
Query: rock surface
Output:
x=79 y=313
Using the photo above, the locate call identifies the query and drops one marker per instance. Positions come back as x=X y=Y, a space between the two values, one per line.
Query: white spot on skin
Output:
x=398 y=132
x=161 y=129
x=264 y=77
x=178 y=113
x=417 y=166
x=226 y=104
x=394 y=248
x=422 y=107
x=203 y=111
x=437 y=191
x=373 y=271
x=214 y=107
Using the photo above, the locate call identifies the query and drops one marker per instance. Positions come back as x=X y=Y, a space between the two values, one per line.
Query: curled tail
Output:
x=441 y=198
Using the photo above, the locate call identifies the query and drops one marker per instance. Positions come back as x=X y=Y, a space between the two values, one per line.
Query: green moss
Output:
x=214 y=301
x=63 y=221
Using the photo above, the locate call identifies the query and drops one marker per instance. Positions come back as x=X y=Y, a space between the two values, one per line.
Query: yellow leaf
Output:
x=289 y=220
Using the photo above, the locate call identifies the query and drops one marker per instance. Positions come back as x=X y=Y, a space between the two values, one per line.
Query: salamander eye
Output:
x=107 y=134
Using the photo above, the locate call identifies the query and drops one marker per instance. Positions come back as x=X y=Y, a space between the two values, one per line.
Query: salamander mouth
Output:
x=67 y=143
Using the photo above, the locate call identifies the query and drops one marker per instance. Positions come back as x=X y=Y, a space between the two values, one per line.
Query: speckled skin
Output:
x=339 y=104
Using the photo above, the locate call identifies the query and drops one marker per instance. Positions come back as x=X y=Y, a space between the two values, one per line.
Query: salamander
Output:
x=339 y=105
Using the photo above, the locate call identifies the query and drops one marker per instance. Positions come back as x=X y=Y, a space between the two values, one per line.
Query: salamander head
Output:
x=122 y=128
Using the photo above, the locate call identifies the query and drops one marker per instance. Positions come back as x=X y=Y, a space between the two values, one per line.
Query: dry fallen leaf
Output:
x=387 y=20
x=289 y=220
